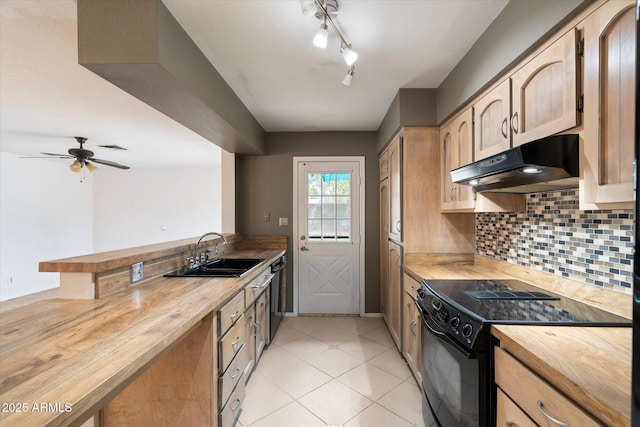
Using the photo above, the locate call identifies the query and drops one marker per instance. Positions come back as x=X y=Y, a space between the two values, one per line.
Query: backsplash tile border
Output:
x=554 y=235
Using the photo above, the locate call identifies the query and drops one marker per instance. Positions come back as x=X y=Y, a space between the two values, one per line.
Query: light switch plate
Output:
x=137 y=272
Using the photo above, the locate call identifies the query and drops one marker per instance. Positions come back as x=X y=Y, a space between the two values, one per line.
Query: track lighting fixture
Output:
x=327 y=10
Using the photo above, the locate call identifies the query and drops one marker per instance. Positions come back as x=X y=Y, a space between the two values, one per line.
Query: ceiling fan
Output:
x=82 y=157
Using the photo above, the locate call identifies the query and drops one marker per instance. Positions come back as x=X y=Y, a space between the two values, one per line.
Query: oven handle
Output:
x=441 y=335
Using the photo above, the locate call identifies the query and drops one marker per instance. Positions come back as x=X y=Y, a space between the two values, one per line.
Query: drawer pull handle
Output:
x=234 y=315
x=235 y=343
x=237 y=374
x=515 y=126
x=412 y=328
x=549 y=417
x=237 y=405
x=503 y=128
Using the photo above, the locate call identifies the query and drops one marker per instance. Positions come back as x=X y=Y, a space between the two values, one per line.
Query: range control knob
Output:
x=455 y=322
x=467 y=330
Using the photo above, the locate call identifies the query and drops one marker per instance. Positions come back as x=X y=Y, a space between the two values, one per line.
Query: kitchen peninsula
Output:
x=63 y=360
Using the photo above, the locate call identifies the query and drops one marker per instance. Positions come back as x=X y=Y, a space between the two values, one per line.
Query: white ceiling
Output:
x=262 y=48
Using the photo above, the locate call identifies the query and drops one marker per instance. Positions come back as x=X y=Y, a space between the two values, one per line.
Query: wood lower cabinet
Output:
x=411 y=341
x=509 y=414
x=536 y=398
x=609 y=106
x=262 y=323
x=395 y=292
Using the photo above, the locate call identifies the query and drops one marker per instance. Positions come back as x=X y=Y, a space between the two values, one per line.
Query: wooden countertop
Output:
x=590 y=365
x=83 y=352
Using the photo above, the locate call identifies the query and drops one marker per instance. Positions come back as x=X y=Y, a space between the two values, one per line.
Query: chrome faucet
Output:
x=198 y=259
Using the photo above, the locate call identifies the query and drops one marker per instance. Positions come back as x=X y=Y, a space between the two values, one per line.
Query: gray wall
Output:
x=265 y=184
x=508 y=39
x=410 y=107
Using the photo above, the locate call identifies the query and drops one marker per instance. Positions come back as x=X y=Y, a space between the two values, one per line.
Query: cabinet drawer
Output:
x=231 y=411
x=534 y=395
x=232 y=375
x=230 y=312
x=509 y=415
x=231 y=343
x=411 y=286
x=256 y=287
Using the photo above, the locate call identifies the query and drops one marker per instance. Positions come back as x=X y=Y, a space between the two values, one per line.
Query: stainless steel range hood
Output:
x=546 y=164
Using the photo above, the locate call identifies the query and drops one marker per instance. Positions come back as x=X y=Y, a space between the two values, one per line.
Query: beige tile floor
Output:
x=332 y=371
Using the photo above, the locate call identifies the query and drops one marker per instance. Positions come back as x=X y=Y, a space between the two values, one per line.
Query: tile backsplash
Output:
x=555 y=236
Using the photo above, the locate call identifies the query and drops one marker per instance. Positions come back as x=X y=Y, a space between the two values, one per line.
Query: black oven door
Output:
x=453 y=379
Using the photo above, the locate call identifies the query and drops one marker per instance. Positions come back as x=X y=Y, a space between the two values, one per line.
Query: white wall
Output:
x=45 y=214
x=149 y=205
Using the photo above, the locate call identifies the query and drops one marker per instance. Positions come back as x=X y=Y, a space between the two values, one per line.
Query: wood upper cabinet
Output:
x=544 y=92
x=384 y=165
x=395 y=189
x=395 y=291
x=456 y=151
x=492 y=133
x=609 y=105
x=538 y=100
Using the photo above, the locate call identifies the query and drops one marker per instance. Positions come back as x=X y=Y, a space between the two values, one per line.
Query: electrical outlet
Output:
x=282 y=222
x=137 y=272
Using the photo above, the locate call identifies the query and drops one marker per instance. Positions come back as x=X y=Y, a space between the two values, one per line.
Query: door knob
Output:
x=304 y=248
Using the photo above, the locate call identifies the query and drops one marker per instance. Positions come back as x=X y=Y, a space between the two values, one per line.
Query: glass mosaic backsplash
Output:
x=555 y=236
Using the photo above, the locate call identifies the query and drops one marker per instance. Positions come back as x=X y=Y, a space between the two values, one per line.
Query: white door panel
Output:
x=328 y=237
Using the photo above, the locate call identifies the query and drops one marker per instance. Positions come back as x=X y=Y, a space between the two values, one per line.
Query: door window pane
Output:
x=329 y=206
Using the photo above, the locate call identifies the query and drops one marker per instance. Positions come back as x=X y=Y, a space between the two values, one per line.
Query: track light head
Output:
x=320 y=40
x=308 y=7
x=347 y=79
x=349 y=56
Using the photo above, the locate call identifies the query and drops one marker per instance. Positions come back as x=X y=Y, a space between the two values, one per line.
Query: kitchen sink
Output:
x=219 y=267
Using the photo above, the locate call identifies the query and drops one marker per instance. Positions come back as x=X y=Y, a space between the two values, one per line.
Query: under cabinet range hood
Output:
x=546 y=164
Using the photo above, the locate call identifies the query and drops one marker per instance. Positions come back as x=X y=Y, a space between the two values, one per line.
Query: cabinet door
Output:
x=492 y=134
x=463 y=155
x=411 y=335
x=395 y=292
x=456 y=150
x=609 y=104
x=544 y=92
x=250 y=341
x=262 y=323
x=384 y=165
x=384 y=249
x=395 y=190
x=447 y=162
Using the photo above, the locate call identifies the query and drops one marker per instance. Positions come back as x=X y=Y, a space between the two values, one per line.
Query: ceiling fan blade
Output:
x=108 y=163
x=62 y=156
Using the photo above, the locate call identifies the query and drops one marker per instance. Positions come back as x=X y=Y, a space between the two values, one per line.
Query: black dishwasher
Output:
x=278 y=293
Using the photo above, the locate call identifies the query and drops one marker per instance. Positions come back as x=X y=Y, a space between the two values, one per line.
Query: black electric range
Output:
x=457 y=362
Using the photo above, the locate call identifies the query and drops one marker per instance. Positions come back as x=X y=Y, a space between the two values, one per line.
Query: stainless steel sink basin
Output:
x=219 y=267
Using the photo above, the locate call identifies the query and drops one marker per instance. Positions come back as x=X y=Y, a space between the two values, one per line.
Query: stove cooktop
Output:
x=513 y=301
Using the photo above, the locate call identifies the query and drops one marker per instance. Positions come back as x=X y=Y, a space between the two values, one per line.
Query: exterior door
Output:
x=328 y=237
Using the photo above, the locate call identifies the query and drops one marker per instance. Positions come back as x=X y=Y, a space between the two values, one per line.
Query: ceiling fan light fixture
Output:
x=320 y=40
x=91 y=167
x=347 y=79
x=348 y=54
x=75 y=166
